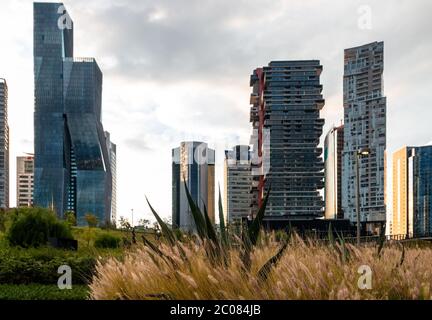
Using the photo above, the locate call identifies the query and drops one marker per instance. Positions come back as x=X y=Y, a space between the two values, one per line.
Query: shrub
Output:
x=91 y=219
x=31 y=227
x=26 y=266
x=42 y=292
x=108 y=241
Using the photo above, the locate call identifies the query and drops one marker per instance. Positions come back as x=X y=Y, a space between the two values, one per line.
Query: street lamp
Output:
x=363 y=152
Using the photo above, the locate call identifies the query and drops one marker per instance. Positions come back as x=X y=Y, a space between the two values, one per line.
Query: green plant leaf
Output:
x=197 y=215
x=254 y=229
x=266 y=268
x=223 y=230
x=381 y=240
x=166 y=231
x=211 y=233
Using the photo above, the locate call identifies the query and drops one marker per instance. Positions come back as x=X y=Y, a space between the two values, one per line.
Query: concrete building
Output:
x=412 y=192
x=4 y=146
x=333 y=148
x=194 y=163
x=364 y=128
x=72 y=167
x=112 y=151
x=238 y=183
x=285 y=114
x=25 y=181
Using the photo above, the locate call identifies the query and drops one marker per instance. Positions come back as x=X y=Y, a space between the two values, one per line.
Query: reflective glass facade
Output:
x=4 y=146
x=333 y=147
x=193 y=163
x=72 y=168
x=412 y=190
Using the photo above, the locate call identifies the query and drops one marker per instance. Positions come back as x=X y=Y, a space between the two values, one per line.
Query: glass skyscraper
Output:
x=4 y=146
x=333 y=147
x=238 y=183
x=412 y=192
x=285 y=114
x=194 y=163
x=364 y=127
x=72 y=167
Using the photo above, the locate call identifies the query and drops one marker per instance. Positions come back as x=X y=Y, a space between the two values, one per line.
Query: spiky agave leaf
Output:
x=330 y=235
x=166 y=231
x=381 y=240
x=254 y=229
x=223 y=231
x=211 y=232
x=267 y=267
x=158 y=252
x=197 y=215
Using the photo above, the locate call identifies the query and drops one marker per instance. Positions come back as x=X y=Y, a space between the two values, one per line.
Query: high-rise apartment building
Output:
x=333 y=147
x=4 y=145
x=72 y=167
x=238 y=182
x=194 y=163
x=364 y=129
x=112 y=151
x=412 y=192
x=25 y=181
x=285 y=114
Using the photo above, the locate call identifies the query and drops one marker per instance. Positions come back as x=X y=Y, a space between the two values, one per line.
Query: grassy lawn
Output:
x=42 y=292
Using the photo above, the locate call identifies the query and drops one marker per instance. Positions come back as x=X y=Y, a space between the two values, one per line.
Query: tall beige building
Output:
x=412 y=192
x=25 y=184
x=333 y=150
x=400 y=192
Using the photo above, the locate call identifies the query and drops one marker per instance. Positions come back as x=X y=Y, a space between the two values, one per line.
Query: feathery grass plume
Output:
x=200 y=223
x=304 y=271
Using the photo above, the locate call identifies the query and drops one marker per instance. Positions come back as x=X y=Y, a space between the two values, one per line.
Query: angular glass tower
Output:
x=72 y=167
x=285 y=114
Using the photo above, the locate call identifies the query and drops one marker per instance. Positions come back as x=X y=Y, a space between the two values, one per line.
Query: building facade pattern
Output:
x=4 y=146
x=194 y=163
x=238 y=181
x=286 y=102
x=25 y=181
x=412 y=190
x=365 y=127
x=72 y=168
x=333 y=148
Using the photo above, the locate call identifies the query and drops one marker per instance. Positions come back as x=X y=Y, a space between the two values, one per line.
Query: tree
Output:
x=145 y=223
x=124 y=224
x=70 y=218
x=91 y=219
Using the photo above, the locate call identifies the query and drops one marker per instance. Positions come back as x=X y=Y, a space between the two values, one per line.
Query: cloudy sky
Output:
x=179 y=70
